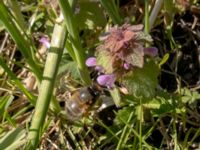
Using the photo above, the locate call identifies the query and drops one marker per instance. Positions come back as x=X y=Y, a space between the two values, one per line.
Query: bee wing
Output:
x=106 y=102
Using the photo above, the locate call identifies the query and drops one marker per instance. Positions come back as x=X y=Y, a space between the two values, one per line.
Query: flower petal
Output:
x=98 y=68
x=45 y=42
x=151 y=51
x=91 y=62
x=107 y=80
x=126 y=66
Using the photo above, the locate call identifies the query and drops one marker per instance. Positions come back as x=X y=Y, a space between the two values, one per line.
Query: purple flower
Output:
x=91 y=62
x=98 y=68
x=126 y=66
x=151 y=51
x=45 y=42
x=107 y=80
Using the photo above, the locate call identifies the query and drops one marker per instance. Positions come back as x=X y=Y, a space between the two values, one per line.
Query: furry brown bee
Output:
x=80 y=101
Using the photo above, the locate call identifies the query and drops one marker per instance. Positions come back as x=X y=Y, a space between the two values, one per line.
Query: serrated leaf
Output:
x=116 y=96
x=105 y=60
x=137 y=57
x=67 y=66
x=189 y=96
x=123 y=115
x=159 y=106
x=142 y=82
x=144 y=37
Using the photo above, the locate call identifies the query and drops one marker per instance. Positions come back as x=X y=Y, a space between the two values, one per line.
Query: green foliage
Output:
x=142 y=82
x=72 y=27
x=138 y=120
x=47 y=84
x=24 y=43
x=188 y=96
x=137 y=57
x=1 y=26
x=162 y=103
x=104 y=59
x=13 y=139
x=5 y=102
x=67 y=66
x=164 y=60
x=124 y=114
x=112 y=11
x=16 y=81
x=115 y=94
x=90 y=15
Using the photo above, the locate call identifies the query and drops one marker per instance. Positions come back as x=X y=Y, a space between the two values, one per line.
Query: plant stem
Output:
x=75 y=40
x=146 y=29
x=47 y=84
x=146 y=26
x=154 y=13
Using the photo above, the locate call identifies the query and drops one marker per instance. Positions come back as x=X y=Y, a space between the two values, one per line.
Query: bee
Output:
x=80 y=102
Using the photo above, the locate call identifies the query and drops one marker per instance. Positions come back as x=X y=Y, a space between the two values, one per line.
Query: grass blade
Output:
x=19 y=38
x=112 y=10
x=71 y=25
x=18 y=83
x=13 y=139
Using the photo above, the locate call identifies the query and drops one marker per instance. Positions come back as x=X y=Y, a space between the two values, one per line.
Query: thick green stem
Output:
x=47 y=84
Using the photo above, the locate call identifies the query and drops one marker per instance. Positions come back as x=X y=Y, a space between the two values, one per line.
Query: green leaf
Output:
x=144 y=37
x=105 y=60
x=142 y=82
x=137 y=57
x=189 y=96
x=112 y=10
x=1 y=26
x=91 y=15
x=13 y=139
x=164 y=60
x=159 y=106
x=5 y=101
x=123 y=114
x=69 y=67
x=164 y=103
x=17 y=81
x=19 y=36
x=116 y=96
